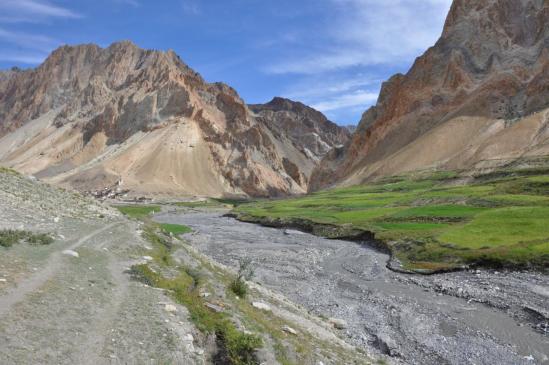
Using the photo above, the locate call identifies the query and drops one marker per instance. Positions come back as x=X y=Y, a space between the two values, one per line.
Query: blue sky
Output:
x=330 y=54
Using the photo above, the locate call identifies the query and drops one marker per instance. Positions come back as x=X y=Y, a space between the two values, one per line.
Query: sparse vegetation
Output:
x=430 y=222
x=238 y=347
x=9 y=237
x=183 y=285
x=245 y=272
x=6 y=170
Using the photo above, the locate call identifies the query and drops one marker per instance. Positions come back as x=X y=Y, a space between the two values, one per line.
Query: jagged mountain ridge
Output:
x=143 y=120
x=476 y=99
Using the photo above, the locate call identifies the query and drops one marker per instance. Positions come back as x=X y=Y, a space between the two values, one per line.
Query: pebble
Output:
x=292 y=231
x=188 y=337
x=170 y=308
x=71 y=253
x=262 y=306
x=339 y=324
x=289 y=330
x=214 y=307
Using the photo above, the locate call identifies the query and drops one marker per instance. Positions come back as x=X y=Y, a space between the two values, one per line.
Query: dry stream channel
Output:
x=470 y=317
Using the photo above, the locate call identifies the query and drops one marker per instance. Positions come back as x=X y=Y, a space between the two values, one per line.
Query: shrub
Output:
x=40 y=239
x=9 y=237
x=245 y=272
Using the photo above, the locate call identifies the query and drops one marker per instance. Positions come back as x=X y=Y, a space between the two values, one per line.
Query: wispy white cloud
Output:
x=36 y=42
x=24 y=47
x=370 y=32
x=27 y=58
x=133 y=3
x=334 y=93
x=191 y=7
x=32 y=11
x=356 y=98
x=312 y=88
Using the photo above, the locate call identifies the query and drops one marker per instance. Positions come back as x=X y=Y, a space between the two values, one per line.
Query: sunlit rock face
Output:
x=471 y=100
x=144 y=121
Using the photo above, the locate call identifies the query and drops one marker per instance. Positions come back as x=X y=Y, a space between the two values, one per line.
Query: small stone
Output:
x=147 y=258
x=339 y=324
x=262 y=306
x=56 y=219
x=71 y=253
x=170 y=308
x=205 y=295
x=199 y=352
x=2 y=280
x=292 y=231
x=214 y=307
x=289 y=330
x=188 y=337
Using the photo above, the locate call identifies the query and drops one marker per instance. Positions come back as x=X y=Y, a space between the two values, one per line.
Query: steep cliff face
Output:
x=472 y=89
x=144 y=121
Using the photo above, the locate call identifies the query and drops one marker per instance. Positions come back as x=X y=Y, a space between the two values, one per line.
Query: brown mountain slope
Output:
x=475 y=99
x=142 y=120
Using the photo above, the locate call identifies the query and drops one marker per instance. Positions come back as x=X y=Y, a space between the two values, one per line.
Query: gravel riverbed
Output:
x=469 y=317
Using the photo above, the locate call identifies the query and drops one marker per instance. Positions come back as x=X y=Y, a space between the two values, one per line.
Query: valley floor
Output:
x=80 y=299
x=468 y=317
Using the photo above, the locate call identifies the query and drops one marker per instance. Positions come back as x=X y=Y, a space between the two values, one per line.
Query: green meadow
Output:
x=436 y=221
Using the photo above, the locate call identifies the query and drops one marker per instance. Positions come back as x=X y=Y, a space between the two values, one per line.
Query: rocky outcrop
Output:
x=480 y=85
x=144 y=121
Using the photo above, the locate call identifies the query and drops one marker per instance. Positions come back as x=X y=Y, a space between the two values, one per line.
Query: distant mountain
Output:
x=477 y=99
x=142 y=120
x=306 y=127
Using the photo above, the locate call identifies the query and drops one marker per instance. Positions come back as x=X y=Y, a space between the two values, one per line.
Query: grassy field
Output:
x=143 y=212
x=435 y=221
x=138 y=211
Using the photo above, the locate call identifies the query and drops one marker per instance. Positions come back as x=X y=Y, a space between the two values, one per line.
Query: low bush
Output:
x=245 y=272
x=10 y=237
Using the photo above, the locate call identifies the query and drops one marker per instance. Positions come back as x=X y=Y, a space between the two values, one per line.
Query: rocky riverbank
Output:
x=466 y=317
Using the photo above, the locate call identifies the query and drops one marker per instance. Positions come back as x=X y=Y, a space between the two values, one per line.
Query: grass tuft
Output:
x=9 y=237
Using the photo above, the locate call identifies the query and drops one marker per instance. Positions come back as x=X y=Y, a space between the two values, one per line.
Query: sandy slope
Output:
x=465 y=143
x=172 y=160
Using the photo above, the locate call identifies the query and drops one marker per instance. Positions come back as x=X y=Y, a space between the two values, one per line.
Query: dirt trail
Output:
x=39 y=278
x=456 y=318
x=97 y=335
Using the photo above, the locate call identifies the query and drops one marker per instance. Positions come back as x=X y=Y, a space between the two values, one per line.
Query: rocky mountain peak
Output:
x=93 y=117
x=304 y=125
x=492 y=61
